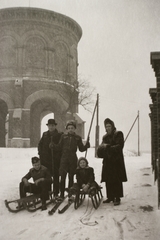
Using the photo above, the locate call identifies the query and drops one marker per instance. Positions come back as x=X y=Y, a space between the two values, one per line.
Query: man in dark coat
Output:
x=113 y=169
x=50 y=158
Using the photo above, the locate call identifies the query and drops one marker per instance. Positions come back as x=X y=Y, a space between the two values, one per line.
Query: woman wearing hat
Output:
x=113 y=169
x=50 y=158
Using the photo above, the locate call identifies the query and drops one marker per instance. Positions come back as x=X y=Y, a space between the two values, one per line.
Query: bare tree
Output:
x=77 y=93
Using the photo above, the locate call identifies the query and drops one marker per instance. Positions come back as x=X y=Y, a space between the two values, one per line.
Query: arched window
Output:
x=61 y=59
x=7 y=52
x=35 y=56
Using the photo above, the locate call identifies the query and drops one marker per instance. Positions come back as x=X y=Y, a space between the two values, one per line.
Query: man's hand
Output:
x=38 y=180
x=26 y=183
x=51 y=145
x=85 y=187
x=88 y=143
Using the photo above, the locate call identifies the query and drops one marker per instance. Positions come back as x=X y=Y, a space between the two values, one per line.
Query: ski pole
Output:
x=52 y=159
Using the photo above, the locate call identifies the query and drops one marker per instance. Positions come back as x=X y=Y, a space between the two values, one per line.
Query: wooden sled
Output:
x=95 y=198
x=30 y=203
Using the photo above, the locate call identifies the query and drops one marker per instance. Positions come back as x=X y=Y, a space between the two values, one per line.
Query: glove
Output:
x=51 y=145
x=38 y=180
x=107 y=146
x=88 y=144
x=85 y=187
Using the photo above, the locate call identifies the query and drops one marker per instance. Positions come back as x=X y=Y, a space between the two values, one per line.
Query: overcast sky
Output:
x=114 y=55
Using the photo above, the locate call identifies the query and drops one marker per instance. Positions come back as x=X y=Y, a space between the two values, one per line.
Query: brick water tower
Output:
x=38 y=66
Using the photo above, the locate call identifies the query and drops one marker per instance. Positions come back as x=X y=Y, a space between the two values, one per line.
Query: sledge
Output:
x=95 y=197
x=30 y=203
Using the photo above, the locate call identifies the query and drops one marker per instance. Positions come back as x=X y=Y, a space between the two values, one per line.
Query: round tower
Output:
x=38 y=72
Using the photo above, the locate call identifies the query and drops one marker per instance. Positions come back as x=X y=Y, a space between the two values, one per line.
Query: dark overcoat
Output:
x=111 y=150
x=69 y=144
x=85 y=176
x=47 y=155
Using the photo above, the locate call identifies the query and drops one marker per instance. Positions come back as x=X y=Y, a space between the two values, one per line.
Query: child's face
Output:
x=82 y=164
x=36 y=165
x=71 y=129
x=51 y=127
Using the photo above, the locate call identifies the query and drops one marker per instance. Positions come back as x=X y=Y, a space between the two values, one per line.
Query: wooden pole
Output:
x=91 y=125
x=130 y=129
x=138 y=137
x=97 y=127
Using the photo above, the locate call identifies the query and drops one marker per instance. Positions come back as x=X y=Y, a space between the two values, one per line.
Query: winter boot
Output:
x=108 y=200
x=44 y=207
x=117 y=201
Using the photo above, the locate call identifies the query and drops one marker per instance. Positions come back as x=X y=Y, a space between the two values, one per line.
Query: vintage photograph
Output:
x=79 y=119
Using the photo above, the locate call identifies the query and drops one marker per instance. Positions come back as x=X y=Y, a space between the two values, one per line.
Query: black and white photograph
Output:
x=80 y=119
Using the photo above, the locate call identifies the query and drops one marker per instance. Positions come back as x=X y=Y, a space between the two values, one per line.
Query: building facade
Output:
x=155 y=120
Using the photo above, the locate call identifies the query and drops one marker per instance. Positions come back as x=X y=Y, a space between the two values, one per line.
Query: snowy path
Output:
x=136 y=218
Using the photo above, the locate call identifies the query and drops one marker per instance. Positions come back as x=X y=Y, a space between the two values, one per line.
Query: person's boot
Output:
x=61 y=197
x=44 y=207
x=108 y=200
x=117 y=201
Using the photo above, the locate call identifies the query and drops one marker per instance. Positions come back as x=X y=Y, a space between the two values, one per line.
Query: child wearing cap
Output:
x=42 y=182
x=69 y=143
x=85 y=178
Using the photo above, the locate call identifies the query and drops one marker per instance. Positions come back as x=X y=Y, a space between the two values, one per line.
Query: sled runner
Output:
x=70 y=201
x=30 y=203
x=56 y=206
x=95 y=196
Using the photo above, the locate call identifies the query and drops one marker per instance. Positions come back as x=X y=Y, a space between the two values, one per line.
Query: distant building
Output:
x=155 y=120
x=38 y=73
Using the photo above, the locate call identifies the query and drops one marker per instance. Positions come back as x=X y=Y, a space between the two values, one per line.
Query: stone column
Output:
x=16 y=140
x=26 y=127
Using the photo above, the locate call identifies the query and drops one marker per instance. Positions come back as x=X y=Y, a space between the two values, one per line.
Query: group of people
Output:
x=57 y=158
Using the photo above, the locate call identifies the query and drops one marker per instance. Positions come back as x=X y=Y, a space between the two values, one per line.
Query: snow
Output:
x=138 y=216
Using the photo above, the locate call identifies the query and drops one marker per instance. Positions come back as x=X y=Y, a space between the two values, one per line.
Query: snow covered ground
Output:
x=136 y=218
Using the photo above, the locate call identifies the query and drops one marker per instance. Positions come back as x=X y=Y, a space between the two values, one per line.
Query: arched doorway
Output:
x=39 y=109
x=44 y=121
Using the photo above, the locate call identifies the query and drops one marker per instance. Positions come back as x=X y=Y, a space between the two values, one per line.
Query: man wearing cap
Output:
x=68 y=144
x=42 y=182
x=50 y=158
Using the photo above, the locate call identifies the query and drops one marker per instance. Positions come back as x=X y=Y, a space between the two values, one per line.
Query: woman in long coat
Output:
x=113 y=168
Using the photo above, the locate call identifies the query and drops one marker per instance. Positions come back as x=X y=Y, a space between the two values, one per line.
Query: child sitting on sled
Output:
x=85 y=179
x=42 y=182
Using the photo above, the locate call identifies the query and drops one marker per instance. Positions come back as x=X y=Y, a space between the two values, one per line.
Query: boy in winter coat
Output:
x=42 y=182
x=85 y=178
x=68 y=144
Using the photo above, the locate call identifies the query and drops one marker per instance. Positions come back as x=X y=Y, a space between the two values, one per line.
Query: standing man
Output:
x=50 y=158
x=113 y=169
